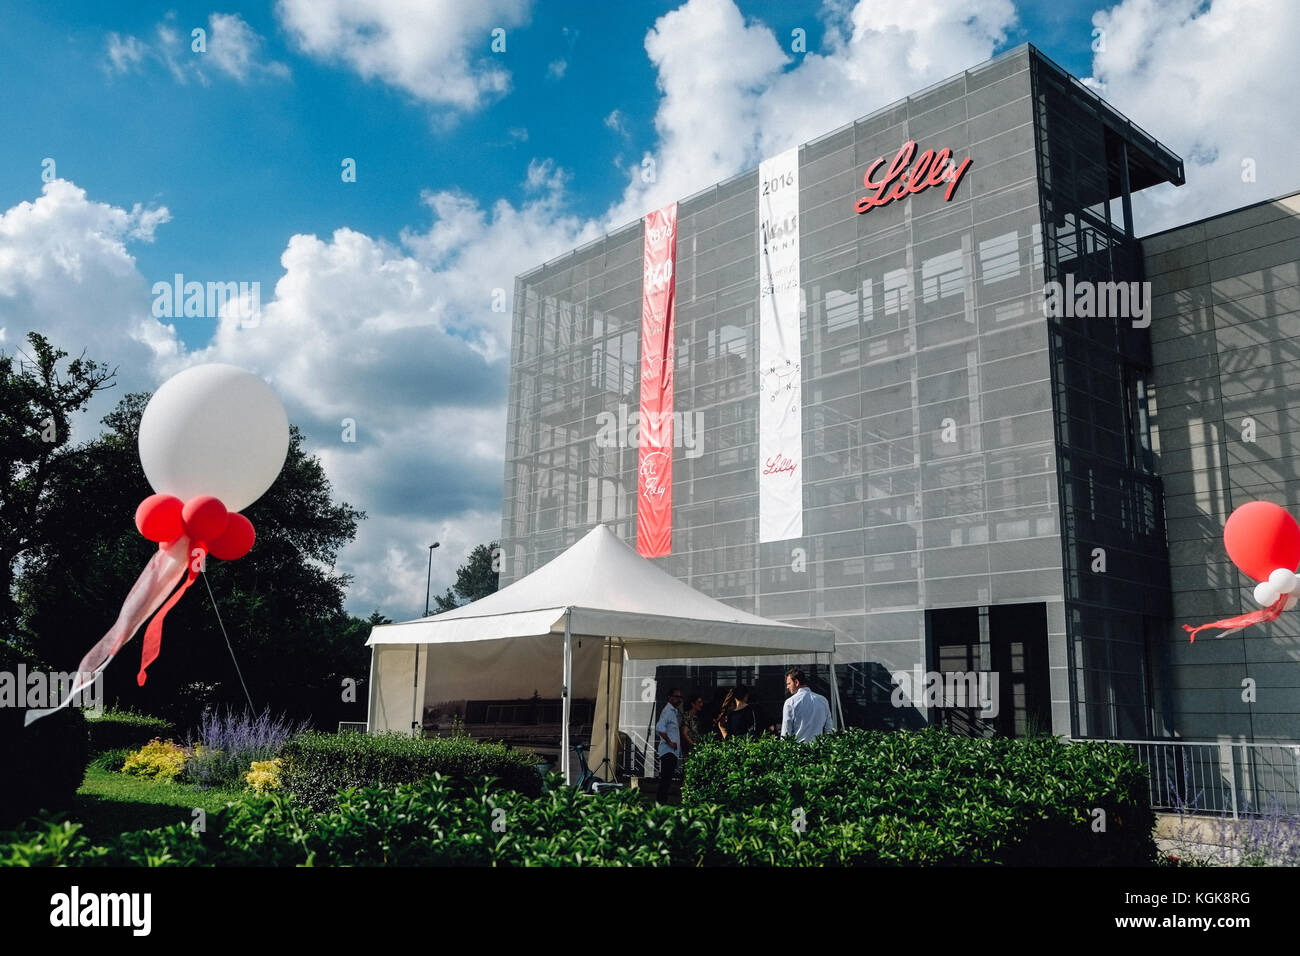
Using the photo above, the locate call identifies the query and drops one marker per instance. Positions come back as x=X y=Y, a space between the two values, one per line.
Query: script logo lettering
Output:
x=650 y=476
x=777 y=465
x=930 y=169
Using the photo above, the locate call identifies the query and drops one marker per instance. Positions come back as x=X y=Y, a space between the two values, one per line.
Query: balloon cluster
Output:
x=1263 y=540
x=212 y=441
x=223 y=534
x=1280 y=582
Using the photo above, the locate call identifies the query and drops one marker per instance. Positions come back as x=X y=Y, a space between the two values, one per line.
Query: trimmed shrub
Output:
x=315 y=767
x=41 y=766
x=933 y=797
x=443 y=822
x=122 y=729
x=111 y=760
x=434 y=823
x=899 y=798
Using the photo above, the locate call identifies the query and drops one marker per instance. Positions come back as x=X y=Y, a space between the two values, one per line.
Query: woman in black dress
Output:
x=741 y=720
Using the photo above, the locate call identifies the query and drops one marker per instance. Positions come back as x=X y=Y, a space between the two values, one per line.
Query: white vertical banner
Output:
x=780 y=411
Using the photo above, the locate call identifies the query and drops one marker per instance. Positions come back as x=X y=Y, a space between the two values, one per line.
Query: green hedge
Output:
x=899 y=798
x=932 y=797
x=316 y=766
x=41 y=766
x=111 y=760
x=436 y=823
x=123 y=730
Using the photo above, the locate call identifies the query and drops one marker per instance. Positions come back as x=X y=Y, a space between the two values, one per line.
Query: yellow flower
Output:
x=264 y=775
x=157 y=760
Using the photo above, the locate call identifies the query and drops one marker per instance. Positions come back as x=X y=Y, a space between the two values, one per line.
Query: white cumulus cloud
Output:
x=229 y=46
x=440 y=53
x=66 y=271
x=402 y=340
x=732 y=93
x=1230 y=68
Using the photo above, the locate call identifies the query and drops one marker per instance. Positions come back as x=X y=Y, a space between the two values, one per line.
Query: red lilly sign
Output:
x=931 y=169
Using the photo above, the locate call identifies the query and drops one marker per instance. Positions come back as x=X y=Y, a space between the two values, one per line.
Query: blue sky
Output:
x=474 y=166
x=271 y=147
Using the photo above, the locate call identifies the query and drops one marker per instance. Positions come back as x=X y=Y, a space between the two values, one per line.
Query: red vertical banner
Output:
x=654 y=499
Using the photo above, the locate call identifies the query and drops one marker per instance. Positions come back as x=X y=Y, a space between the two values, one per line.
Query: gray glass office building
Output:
x=980 y=487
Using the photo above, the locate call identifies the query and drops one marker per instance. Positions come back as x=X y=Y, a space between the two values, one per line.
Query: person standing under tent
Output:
x=742 y=720
x=728 y=705
x=692 y=732
x=806 y=714
x=668 y=731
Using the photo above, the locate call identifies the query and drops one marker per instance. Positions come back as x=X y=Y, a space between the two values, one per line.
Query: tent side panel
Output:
x=607 y=711
x=392 y=688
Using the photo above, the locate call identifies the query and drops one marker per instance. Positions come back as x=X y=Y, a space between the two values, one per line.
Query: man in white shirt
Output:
x=668 y=732
x=806 y=714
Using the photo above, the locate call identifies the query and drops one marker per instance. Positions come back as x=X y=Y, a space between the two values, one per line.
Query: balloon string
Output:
x=1270 y=613
x=212 y=598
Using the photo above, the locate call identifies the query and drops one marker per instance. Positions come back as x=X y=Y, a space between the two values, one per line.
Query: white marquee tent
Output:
x=566 y=629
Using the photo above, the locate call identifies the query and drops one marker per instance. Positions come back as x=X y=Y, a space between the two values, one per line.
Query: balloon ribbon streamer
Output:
x=153 y=633
x=1270 y=613
x=156 y=581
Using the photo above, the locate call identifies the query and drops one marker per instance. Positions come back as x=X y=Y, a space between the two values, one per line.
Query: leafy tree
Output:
x=476 y=578
x=282 y=605
x=36 y=402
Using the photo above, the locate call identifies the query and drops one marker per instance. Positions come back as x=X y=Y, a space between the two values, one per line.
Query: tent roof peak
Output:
x=608 y=589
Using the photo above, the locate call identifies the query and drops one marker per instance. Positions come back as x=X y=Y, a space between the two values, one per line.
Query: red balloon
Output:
x=1262 y=537
x=237 y=540
x=158 y=518
x=205 y=518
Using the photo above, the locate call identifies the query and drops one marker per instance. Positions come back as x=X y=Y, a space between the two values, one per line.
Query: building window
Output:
x=841 y=310
x=1000 y=257
x=895 y=284
x=942 y=275
x=1141 y=457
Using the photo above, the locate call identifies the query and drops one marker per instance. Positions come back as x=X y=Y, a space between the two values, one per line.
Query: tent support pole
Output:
x=835 y=696
x=370 y=704
x=609 y=653
x=565 y=702
x=415 y=692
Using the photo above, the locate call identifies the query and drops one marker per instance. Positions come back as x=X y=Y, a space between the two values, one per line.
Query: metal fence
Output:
x=1241 y=779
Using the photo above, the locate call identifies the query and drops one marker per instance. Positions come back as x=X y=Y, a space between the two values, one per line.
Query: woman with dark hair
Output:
x=741 y=720
x=728 y=705
x=692 y=732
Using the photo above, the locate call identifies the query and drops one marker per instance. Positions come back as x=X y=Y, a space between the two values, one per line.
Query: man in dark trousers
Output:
x=668 y=732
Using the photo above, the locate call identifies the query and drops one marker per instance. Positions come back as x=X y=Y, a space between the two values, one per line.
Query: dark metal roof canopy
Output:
x=1150 y=162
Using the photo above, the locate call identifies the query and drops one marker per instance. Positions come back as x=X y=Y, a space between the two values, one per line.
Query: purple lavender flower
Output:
x=228 y=742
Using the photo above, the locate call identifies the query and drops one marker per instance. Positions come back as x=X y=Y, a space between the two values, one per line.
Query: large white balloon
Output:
x=214 y=430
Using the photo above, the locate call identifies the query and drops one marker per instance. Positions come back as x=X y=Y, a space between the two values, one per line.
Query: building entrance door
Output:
x=994 y=655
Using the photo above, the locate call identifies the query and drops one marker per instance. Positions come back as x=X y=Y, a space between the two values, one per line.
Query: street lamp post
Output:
x=429 y=580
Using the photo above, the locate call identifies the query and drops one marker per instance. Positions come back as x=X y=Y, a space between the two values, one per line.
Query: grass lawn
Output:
x=111 y=803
